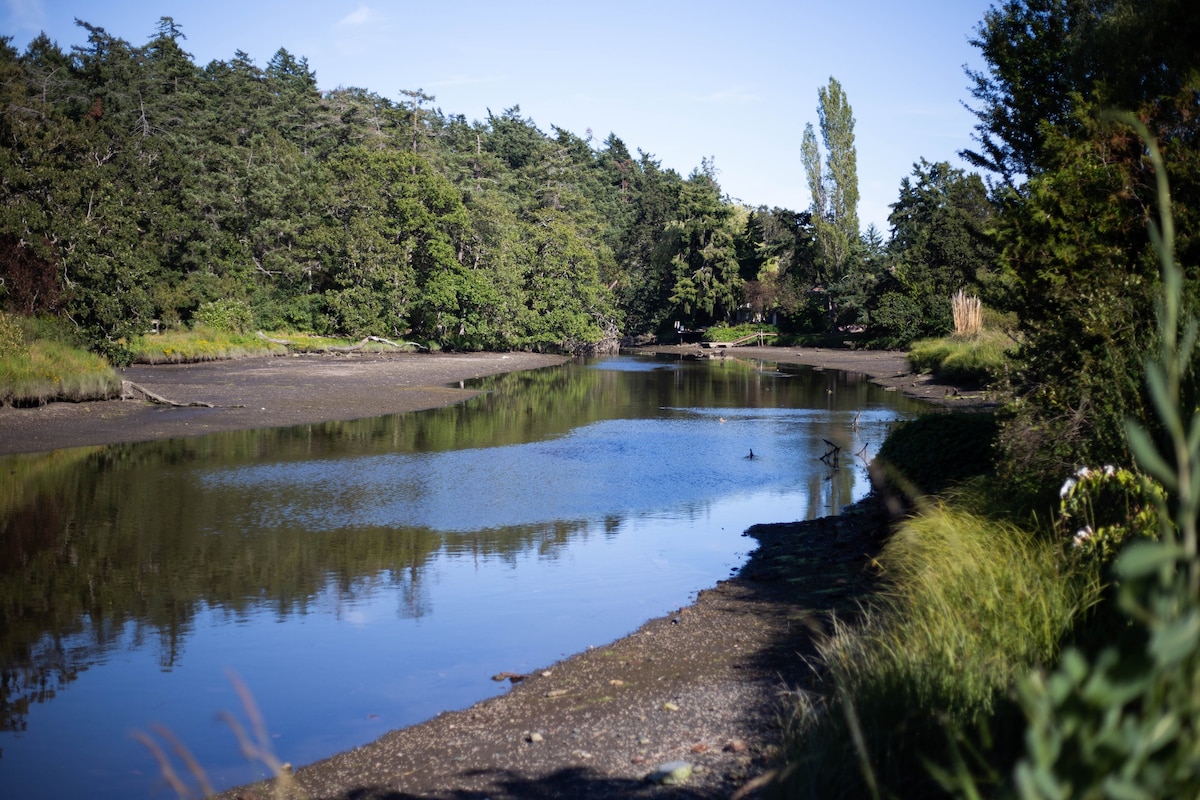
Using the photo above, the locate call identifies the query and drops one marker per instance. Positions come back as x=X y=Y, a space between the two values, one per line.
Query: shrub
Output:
x=900 y=319
x=233 y=316
x=1102 y=508
x=731 y=333
x=933 y=452
x=12 y=338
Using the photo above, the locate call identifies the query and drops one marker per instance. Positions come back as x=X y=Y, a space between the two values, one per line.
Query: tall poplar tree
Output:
x=834 y=185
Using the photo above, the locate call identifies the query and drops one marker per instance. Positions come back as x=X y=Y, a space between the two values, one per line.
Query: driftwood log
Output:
x=132 y=391
x=351 y=348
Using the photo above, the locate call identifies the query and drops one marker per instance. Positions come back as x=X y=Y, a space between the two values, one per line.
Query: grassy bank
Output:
x=968 y=603
x=40 y=363
x=981 y=358
x=968 y=606
x=200 y=344
x=48 y=371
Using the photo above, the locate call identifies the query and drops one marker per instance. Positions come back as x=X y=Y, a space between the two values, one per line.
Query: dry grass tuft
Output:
x=968 y=314
x=255 y=745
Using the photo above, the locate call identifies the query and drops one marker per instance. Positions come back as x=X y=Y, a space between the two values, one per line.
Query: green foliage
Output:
x=1074 y=206
x=834 y=183
x=1102 y=508
x=900 y=318
x=231 y=316
x=699 y=244
x=12 y=338
x=777 y=260
x=1126 y=722
x=968 y=605
x=731 y=333
x=933 y=452
x=940 y=245
x=149 y=188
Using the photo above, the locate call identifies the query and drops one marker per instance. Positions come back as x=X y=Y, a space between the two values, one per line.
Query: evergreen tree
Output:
x=940 y=244
x=699 y=244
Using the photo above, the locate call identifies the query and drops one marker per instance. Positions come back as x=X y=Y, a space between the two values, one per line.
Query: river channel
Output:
x=363 y=576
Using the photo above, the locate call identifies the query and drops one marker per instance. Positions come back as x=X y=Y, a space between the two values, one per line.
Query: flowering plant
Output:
x=1102 y=507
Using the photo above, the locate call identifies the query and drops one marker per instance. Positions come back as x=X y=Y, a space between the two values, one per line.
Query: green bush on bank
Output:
x=231 y=316
x=933 y=452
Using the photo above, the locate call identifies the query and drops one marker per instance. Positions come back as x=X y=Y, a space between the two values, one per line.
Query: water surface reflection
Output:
x=365 y=575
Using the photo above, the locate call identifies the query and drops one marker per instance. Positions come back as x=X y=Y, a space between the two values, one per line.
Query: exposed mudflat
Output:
x=262 y=392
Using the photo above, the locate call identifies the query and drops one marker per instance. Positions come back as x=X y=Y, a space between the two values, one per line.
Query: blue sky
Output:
x=735 y=81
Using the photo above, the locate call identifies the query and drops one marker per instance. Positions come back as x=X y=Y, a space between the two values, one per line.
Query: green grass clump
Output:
x=969 y=605
x=981 y=358
x=48 y=370
x=200 y=344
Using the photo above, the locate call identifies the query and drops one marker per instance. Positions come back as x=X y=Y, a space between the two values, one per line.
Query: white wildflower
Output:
x=1081 y=536
x=1066 y=488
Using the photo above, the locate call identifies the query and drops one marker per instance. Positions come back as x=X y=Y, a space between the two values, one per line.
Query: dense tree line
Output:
x=139 y=186
x=1075 y=192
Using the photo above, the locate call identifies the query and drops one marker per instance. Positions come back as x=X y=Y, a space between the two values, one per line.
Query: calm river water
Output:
x=363 y=576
